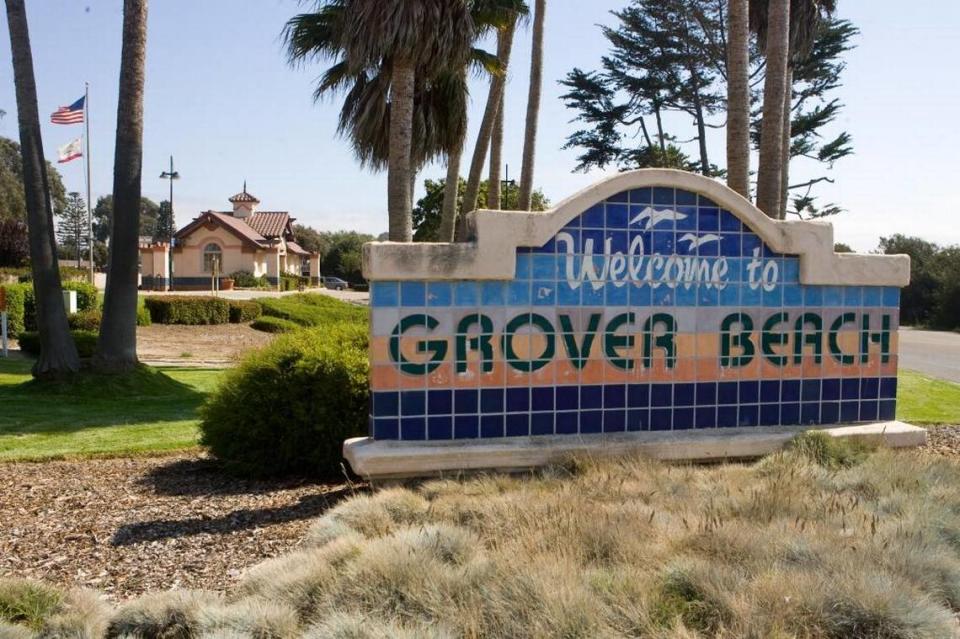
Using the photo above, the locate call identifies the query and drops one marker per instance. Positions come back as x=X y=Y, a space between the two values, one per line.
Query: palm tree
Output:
x=774 y=91
x=497 y=84
x=738 y=97
x=496 y=156
x=533 y=107
x=117 y=345
x=58 y=353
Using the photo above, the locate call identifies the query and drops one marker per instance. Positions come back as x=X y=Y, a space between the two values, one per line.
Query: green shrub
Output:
x=17 y=307
x=246 y=279
x=87 y=294
x=274 y=325
x=293 y=282
x=288 y=408
x=27 y=603
x=88 y=320
x=191 y=310
x=243 y=311
x=86 y=342
x=313 y=309
x=143 y=315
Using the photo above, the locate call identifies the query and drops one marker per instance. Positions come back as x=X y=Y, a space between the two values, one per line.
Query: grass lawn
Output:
x=924 y=400
x=153 y=411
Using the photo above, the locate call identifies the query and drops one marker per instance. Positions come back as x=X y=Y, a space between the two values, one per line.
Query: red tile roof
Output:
x=232 y=224
x=243 y=197
x=293 y=247
x=269 y=224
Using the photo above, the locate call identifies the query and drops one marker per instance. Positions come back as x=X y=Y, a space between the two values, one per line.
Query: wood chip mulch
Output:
x=126 y=526
x=942 y=440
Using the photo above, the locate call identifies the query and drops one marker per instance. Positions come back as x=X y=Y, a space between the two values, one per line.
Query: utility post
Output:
x=170 y=175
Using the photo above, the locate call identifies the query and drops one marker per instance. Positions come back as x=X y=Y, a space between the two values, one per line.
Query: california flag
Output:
x=70 y=151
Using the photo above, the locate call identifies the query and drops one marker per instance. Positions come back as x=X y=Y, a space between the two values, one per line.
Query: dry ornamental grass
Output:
x=820 y=541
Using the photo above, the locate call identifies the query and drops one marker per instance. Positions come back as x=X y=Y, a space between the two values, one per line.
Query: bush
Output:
x=243 y=311
x=190 y=310
x=313 y=309
x=246 y=279
x=86 y=342
x=274 y=325
x=88 y=320
x=17 y=307
x=293 y=282
x=288 y=408
x=143 y=315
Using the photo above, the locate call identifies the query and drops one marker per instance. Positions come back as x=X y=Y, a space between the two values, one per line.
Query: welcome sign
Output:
x=653 y=301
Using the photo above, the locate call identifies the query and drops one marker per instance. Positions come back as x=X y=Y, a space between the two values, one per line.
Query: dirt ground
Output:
x=126 y=526
x=219 y=345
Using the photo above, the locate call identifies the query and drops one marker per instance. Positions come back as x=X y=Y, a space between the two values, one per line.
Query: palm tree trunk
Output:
x=738 y=97
x=117 y=346
x=401 y=140
x=497 y=83
x=785 y=146
x=533 y=108
x=448 y=215
x=771 y=131
x=496 y=158
x=58 y=354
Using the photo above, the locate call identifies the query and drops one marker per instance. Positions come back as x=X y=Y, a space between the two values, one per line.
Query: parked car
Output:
x=335 y=283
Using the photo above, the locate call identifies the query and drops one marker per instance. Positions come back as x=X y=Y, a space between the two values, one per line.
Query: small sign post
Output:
x=3 y=321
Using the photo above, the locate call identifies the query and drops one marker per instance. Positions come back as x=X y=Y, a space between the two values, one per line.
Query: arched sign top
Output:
x=641 y=200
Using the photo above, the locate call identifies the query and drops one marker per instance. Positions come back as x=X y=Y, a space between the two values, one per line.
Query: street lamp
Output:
x=505 y=185
x=170 y=175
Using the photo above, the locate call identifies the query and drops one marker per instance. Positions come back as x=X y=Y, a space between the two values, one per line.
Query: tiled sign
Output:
x=651 y=308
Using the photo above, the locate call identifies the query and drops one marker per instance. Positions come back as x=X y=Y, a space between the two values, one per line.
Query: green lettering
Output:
x=808 y=338
x=436 y=348
x=882 y=337
x=479 y=343
x=538 y=362
x=835 y=350
x=664 y=341
x=612 y=342
x=740 y=340
x=579 y=354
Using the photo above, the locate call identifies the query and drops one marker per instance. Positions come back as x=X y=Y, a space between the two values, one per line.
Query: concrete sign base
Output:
x=392 y=459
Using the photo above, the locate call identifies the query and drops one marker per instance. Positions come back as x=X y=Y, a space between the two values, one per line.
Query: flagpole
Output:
x=86 y=156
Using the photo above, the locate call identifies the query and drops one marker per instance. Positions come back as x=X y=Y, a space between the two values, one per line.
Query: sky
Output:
x=222 y=100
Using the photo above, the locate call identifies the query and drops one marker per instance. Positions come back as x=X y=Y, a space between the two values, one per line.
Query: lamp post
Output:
x=505 y=185
x=170 y=175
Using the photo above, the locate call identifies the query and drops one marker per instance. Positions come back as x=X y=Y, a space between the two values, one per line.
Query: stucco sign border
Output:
x=496 y=236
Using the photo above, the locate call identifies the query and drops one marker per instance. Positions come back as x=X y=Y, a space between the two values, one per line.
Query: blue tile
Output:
x=541 y=399
x=790 y=414
x=617 y=216
x=869 y=410
x=617 y=295
x=467 y=294
x=638 y=396
x=770 y=391
x=873 y=296
x=662 y=296
x=466 y=427
x=549 y=247
x=685 y=295
x=385 y=294
x=791 y=271
x=412 y=403
x=891 y=296
x=614 y=396
x=590 y=296
x=567 y=423
x=439 y=427
x=638 y=419
x=544 y=267
x=749 y=415
x=730 y=223
x=730 y=244
x=544 y=293
x=568 y=398
x=686 y=219
x=830 y=412
x=751 y=296
x=618 y=241
x=832 y=296
x=440 y=402
x=683 y=418
x=541 y=424
x=730 y=295
x=663 y=242
x=439 y=294
x=709 y=220
x=849 y=411
x=524 y=268
x=492 y=293
x=518 y=424
x=813 y=295
x=810 y=413
x=727 y=392
x=726 y=416
x=591 y=397
x=413 y=428
x=749 y=392
x=685 y=197
x=663 y=195
x=810 y=390
x=491 y=400
x=706 y=393
x=888 y=410
x=830 y=391
x=386 y=428
x=593 y=243
x=888 y=388
x=708 y=296
x=641 y=196
x=573 y=224
x=466 y=401
x=706 y=417
x=518 y=400
x=593 y=218
x=769 y=414
x=870 y=388
x=703 y=200
x=491 y=426
x=567 y=296
x=792 y=295
x=749 y=242
x=774 y=298
x=850 y=388
x=661 y=395
x=684 y=394
x=413 y=294
x=518 y=293
x=639 y=296
x=591 y=421
x=386 y=404
x=852 y=296
x=622 y=196
x=661 y=418
x=615 y=420
x=790 y=390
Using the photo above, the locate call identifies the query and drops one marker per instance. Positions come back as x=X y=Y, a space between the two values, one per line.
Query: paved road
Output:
x=933 y=353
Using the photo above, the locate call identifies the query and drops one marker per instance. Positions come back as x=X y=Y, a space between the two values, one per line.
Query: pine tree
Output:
x=72 y=227
x=165 y=226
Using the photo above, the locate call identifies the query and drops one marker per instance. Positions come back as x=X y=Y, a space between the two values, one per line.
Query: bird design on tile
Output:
x=696 y=242
x=653 y=216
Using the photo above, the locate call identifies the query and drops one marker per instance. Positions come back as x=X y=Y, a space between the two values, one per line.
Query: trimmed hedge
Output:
x=269 y=324
x=86 y=320
x=246 y=279
x=288 y=408
x=16 y=307
x=313 y=309
x=293 y=282
x=86 y=342
x=243 y=311
x=190 y=310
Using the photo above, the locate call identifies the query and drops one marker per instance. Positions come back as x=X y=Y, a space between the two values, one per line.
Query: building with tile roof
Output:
x=220 y=243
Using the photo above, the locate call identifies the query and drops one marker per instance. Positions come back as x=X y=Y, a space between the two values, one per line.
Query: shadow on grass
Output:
x=307 y=507
x=90 y=399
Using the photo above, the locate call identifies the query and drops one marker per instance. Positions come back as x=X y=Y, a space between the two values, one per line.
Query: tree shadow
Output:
x=308 y=507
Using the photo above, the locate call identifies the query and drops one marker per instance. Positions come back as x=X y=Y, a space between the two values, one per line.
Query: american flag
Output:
x=72 y=114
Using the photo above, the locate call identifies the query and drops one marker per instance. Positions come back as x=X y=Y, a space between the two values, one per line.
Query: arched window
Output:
x=211 y=254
